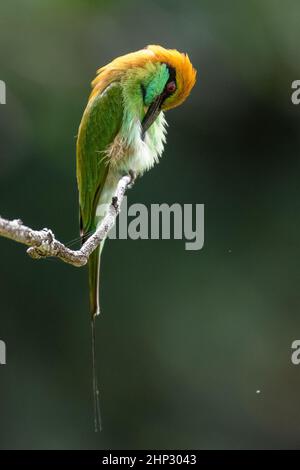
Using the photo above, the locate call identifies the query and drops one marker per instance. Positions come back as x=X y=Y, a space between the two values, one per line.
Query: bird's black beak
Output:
x=152 y=113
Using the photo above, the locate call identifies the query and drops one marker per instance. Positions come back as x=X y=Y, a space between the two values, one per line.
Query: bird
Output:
x=123 y=130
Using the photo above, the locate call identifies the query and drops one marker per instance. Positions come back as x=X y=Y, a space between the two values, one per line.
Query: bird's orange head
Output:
x=180 y=79
x=153 y=79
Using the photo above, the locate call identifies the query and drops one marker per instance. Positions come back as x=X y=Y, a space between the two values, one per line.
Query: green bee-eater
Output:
x=123 y=130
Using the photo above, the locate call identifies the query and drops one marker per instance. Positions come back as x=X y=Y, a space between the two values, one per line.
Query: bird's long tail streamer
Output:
x=96 y=394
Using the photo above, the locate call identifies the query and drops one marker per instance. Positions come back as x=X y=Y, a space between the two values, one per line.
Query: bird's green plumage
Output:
x=100 y=124
x=111 y=142
x=156 y=83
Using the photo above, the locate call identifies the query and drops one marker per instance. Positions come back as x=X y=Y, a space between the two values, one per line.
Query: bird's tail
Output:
x=94 y=282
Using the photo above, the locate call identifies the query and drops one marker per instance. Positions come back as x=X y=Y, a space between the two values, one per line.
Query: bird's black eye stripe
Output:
x=170 y=86
x=172 y=74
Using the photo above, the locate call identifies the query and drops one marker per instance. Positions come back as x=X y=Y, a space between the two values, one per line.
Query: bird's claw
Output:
x=132 y=175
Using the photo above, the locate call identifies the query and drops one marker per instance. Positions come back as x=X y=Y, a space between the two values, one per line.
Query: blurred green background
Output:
x=186 y=338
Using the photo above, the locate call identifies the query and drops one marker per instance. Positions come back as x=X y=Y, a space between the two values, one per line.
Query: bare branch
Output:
x=44 y=244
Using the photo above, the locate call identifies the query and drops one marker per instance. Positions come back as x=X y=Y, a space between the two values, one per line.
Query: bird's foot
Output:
x=133 y=176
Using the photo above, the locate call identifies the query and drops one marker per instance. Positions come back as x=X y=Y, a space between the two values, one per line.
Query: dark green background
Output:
x=186 y=338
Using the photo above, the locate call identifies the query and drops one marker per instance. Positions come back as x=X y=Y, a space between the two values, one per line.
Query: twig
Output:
x=44 y=244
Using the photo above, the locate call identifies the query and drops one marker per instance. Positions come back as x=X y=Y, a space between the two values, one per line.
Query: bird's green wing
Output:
x=100 y=124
